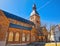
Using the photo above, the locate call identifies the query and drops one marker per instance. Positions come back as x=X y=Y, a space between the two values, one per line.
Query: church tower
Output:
x=34 y=17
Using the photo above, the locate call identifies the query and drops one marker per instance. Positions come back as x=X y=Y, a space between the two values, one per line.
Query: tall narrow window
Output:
x=28 y=37
x=17 y=36
x=10 y=37
x=0 y=27
x=59 y=39
x=33 y=38
x=23 y=37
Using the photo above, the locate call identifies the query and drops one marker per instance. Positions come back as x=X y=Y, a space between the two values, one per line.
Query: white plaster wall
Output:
x=57 y=35
x=52 y=38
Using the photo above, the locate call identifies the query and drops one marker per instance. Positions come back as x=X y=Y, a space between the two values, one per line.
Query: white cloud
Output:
x=44 y=5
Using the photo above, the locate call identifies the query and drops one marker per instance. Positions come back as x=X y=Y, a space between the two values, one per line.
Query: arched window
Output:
x=17 y=36
x=33 y=38
x=28 y=37
x=23 y=37
x=10 y=37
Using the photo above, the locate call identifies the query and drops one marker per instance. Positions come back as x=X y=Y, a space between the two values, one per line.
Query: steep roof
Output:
x=34 y=11
x=12 y=16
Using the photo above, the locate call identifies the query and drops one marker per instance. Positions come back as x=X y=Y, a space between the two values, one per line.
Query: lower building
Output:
x=54 y=35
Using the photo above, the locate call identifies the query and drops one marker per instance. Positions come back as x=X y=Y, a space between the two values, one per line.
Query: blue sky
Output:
x=49 y=10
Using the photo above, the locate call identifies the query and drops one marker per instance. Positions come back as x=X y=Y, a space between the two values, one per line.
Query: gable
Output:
x=3 y=17
x=4 y=23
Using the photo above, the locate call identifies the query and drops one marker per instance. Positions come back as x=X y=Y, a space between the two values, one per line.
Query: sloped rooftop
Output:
x=12 y=16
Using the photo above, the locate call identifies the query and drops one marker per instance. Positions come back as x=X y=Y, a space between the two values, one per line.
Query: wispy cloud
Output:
x=44 y=5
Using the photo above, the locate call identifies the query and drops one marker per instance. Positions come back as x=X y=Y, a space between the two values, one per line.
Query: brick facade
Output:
x=28 y=36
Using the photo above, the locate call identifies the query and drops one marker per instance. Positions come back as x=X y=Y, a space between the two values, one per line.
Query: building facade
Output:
x=54 y=35
x=16 y=30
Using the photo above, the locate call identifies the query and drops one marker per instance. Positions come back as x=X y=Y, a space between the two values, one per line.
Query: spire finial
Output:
x=34 y=6
x=34 y=11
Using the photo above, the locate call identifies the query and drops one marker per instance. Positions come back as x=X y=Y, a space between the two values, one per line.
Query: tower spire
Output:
x=34 y=6
x=34 y=16
x=34 y=11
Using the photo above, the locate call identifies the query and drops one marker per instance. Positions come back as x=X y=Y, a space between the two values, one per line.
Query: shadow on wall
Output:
x=37 y=44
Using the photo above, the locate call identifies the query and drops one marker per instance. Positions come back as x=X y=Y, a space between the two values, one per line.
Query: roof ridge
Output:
x=13 y=16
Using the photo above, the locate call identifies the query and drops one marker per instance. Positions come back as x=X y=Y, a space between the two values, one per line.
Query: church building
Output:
x=15 y=30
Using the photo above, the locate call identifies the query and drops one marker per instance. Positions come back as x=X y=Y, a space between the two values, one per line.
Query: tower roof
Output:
x=34 y=11
x=34 y=7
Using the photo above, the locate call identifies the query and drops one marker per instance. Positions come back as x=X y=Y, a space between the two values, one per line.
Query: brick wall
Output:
x=4 y=23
